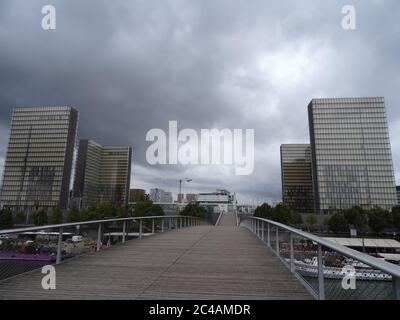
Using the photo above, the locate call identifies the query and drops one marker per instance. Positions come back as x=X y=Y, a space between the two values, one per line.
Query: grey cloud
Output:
x=130 y=66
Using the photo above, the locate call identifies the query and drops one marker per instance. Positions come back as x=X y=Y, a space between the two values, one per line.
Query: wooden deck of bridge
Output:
x=203 y=262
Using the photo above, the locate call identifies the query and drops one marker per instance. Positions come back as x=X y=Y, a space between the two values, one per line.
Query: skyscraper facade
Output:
x=38 y=164
x=161 y=196
x=297 y=187
x=137 y=195
x=351 y=154
x=102 y=174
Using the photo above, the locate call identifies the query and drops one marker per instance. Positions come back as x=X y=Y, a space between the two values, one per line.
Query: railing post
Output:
x=123 y=231
x=262 y=231
x=277 y=240
x=257 y=228
x=98 y=238
x=321 y=285
x=291 y=253
x=152 y=226
x=181 y=222
x=268 y=235
x=140 y=228
x=162 y=224
x=170 y=224
x=60 y=233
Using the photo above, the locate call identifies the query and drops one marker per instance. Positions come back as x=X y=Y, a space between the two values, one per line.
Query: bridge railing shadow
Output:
x=26 y=249
x=326 y=269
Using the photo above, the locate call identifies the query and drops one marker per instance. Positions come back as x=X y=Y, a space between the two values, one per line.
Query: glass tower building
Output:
x=102 y=174
x=350 y=154
x=297 y=187
x=38 y=164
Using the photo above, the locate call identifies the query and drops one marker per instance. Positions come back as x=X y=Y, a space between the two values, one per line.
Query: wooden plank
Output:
x=204 y=262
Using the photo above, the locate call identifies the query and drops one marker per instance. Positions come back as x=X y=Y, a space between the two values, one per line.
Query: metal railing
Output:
x=56 y=237
x=326 y=269
x=219 y=219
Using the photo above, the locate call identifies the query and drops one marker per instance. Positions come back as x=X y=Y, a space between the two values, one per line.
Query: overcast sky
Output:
x=129 y=66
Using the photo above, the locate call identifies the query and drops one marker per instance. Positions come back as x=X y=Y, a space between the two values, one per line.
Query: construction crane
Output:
x=180 y=188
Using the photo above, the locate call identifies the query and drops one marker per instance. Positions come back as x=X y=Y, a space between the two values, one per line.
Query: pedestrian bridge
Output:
x=231 y=260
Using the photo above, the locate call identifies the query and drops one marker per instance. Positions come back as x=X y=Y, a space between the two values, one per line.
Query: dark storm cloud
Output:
x=130 y=66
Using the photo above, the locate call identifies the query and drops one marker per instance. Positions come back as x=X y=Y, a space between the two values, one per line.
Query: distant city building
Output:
x=102 y=174
x=220 y=200
x=181 y=198
x=168 y=197
x=351 y=154
x=38 y=164
x=223 y=196
x=137 y=195
x=398 y=194
x=191 y=197
x=161 y=196
x=246 y=208
x=297 y=187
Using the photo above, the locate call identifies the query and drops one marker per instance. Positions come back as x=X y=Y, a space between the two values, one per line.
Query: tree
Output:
x=56 y=216
x=157 y=210
x=147 y=209
x=39 y=217
x=396 y=217
x=73 y=215
x=6 y=219
x=264 y=211
x=122 y=212
x=281 y=214
x=296 y=219
x=194 y=210
x=378 y=219
x=311 y=220
x=105 y=210
x=356 y=216
x=337 y=223
x=20 y=217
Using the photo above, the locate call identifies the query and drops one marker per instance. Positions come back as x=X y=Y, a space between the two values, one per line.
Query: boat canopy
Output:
x=390 y=256
x=368 y=243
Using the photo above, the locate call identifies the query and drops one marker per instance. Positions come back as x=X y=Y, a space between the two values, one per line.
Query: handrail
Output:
x=185 y=221
x=237 y=218
x=71 y=224
x=219 y=218
x=384 y=266
x=365 y=258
